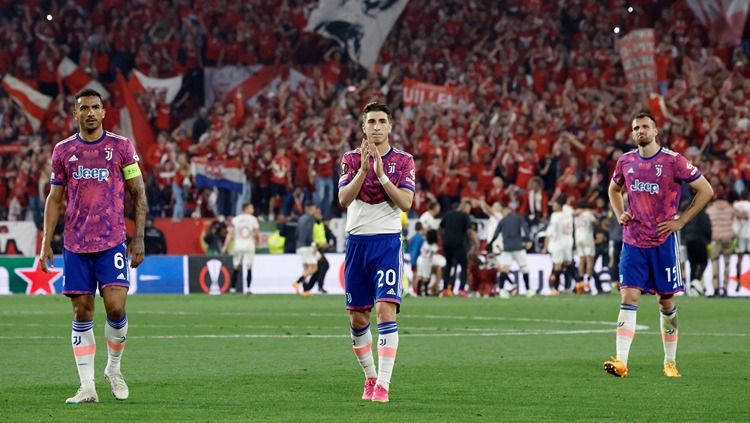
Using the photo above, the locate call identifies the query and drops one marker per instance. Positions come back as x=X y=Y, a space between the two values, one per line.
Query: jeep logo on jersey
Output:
x=96 y=173
x=648 y=187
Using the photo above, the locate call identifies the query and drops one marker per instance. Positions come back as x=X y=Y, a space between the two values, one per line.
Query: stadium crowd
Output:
x=548 y=113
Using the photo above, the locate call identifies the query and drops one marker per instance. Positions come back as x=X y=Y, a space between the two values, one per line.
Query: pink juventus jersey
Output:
x=92 y=175
x=653 y=187
x=372 y=211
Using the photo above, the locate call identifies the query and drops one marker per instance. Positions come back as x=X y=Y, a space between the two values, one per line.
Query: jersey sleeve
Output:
x=58 y=176
x=407 y=175
x=129 y=160
x=618 y=177
x=129 y=156
x=684 y=170
x=348 y=169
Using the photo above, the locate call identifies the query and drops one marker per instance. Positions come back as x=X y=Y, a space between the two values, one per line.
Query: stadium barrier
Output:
x=272 y=274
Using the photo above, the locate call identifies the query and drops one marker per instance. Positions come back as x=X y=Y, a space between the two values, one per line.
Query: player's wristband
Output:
x=384 y=180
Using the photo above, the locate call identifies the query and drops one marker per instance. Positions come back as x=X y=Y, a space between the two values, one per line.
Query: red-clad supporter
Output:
x=281 y=179
x=497 y=192
x=157 y=153
x=526 y=168
x=300 y=161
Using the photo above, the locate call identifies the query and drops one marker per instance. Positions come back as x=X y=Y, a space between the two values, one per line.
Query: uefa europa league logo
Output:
x=214 y=270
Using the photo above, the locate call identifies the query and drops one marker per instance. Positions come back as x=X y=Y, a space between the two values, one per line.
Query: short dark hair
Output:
x=418 y=226
x=432 y=236
x=642 y=115
x=89 y=92
x=377 y=107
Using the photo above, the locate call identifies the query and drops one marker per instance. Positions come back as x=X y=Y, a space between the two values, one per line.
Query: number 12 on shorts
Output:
x=673 y=276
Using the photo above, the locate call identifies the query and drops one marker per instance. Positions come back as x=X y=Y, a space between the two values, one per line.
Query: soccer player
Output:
x=651 y=175
x=559 y=243
x=428 y=274
x=515 y=234
x=306 y=249
x=91 y=170
x=376 y=184
x=244 y=232
x=583 y=225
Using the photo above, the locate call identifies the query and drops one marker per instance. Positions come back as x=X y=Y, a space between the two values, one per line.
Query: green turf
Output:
x=285 y=358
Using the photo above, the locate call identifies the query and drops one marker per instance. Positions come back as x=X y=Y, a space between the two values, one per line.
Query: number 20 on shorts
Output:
x=388 y=275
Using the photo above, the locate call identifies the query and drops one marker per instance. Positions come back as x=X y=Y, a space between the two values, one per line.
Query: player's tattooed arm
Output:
x=137 y=190
x=51 y=216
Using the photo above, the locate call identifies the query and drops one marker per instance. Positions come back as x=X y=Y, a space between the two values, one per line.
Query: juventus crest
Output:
x=658 y=169
x=108 y=153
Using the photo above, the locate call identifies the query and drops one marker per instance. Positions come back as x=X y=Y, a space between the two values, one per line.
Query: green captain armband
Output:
x=131 y=171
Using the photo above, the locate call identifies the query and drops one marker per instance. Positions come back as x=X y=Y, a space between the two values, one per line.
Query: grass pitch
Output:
x=287 y=358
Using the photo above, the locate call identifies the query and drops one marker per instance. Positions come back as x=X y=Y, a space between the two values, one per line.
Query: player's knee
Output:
x=83 y=308
x=83 y=313
x=359 y=319
x=116 y=312
x=386 y=312
x=666 y=301
x=630 y=296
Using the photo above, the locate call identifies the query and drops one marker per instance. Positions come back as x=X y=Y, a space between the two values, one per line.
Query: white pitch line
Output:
x=409 y=335
x=476 y=318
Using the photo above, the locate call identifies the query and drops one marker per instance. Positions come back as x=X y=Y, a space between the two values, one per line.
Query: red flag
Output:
x=76 y=79
x=133 y=121
x=252 y=86
x=724 y=20
x=33 y=103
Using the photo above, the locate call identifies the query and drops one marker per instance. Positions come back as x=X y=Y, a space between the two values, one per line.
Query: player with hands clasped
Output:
x=376 y=184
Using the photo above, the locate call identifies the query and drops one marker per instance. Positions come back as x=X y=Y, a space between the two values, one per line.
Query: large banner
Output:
x=359 y=26
x=18 y=238
x=272 y=274
x=417 y=92
x=637 y=51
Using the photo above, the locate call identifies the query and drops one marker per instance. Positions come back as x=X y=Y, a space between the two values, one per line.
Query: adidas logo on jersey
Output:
x=391 y=292
x=73 y=158
x=631 y=170
x=121 y=277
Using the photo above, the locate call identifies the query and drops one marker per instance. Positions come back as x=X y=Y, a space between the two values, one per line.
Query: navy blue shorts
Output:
x=653 y=270
x=82 y=272
x=373 y=271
